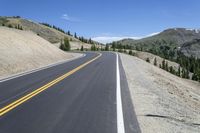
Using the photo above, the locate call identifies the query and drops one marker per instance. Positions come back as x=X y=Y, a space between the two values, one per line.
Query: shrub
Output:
x=148 y=60
x=65 y=45
x=130 y=52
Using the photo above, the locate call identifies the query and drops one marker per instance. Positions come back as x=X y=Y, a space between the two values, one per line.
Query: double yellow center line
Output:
x=18 y=102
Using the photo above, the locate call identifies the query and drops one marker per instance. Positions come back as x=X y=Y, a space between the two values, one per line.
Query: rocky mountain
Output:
x=170 y=39
x=191 y=48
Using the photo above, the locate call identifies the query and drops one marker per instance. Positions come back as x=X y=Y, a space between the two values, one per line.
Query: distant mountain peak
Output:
x=197 y=31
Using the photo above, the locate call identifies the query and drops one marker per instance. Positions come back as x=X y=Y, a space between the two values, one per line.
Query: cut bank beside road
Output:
x=162 y=101
x=23 y=51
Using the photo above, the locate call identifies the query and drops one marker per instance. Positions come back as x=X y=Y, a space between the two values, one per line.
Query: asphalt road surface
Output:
x=86 y=95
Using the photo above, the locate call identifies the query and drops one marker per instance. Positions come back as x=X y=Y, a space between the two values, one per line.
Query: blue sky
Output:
x=108 y=19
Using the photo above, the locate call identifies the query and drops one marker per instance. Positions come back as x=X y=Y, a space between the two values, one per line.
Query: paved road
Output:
x=75 y=97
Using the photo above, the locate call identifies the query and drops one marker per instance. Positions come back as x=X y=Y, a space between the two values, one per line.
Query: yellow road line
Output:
x=18 y=102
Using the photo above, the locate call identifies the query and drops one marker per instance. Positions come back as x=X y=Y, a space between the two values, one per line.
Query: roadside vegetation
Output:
x=4 y=22
x=81 y=38
x=65 y=45
x=189 y=67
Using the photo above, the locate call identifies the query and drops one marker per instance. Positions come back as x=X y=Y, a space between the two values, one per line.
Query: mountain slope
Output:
x=191 y=48
x=172 y=39
x=50 y=34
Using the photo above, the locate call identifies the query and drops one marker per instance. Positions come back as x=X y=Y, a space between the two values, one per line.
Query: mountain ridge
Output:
x=172 y=38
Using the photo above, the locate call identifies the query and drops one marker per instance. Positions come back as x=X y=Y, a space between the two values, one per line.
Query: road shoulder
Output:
x=162 y=101
x=130 y=119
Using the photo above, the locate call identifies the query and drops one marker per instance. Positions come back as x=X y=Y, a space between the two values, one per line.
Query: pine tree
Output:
x=187 y=74
x=65 y=45
x=114 y=46
x=107 y=47
x=68 y=33
x=75 y=36
x=179 y=71
x=163 y=64
x=171 y=70
x=130 y=52
x=195 y=77
x=155 y=61
x=93 y=47
x=166 y=66
x=82 y=48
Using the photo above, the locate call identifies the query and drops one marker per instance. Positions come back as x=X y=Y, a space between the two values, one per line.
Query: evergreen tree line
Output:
x=81 y=38
x=188 y=65
x=95 y=47
x=54 y=27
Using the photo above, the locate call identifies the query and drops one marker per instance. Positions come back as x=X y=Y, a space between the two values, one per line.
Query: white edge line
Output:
x=38 y=69
x=120 y=118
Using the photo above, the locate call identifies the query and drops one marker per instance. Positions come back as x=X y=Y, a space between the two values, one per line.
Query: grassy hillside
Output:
x=52 y=34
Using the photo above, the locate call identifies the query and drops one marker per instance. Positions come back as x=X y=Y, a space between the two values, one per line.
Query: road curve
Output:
x=76 y=97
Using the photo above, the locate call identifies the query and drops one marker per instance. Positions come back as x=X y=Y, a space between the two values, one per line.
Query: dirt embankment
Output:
x=152 y=57
x=22 y=50
x=164 y=103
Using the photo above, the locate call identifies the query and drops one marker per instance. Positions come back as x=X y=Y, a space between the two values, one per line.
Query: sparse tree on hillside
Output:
x=10 y=26
x=65 y=45
x=93 y=47
x=171 y=70
x=75 y=36
x=130 y=52
x=82 y=48
x=166 y=66
x=195 y=77
x=163 y=64
x=179 y=71
x=113 y=46
x=155 y=61
x=68 y=33
x=187 y=74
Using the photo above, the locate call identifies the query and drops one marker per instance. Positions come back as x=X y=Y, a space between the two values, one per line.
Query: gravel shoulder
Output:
x=163 y=103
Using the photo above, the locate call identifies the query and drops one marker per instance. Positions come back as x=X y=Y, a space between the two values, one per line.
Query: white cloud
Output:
x=109 y=39
x=65 y=16
x=68 y=18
